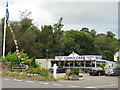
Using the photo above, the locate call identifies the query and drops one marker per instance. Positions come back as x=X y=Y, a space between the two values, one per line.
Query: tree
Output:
x=108 y=46
x=25 y=34
x=46 y=39
x=101 y=35
x=51 y=40
x=79 y=42
x=24 y=14
x=58 y=25
x=110 y=34
x=85 y=30
x=93 y=33
x=58 y=37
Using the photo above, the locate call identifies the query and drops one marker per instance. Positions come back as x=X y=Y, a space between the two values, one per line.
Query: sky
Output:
x=101 y=15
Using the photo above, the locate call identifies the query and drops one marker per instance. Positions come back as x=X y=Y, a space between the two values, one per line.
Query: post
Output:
x=73 y=63
x=55 y=71
x=64 y=63
x=84 y=63
x=95 y=64
x=4 y=37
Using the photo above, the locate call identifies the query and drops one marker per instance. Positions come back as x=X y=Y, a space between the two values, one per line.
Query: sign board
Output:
x=19 y=67
x=75 y=56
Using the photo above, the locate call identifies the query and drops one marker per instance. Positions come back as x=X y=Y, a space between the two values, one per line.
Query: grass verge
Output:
x=36 y=77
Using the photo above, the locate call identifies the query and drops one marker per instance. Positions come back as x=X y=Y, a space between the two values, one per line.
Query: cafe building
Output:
x=73 y=61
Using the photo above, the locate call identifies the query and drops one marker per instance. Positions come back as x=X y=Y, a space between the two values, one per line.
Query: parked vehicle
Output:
x=112 y=71
x=96 y=71
x=59 y=70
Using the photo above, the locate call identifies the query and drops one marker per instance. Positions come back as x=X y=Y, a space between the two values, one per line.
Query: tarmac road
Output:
x=88 y=82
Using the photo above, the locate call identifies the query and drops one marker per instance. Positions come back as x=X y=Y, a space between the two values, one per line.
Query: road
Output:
x=88 y=82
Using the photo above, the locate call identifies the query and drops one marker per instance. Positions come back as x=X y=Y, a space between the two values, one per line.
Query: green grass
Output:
x=40 y=78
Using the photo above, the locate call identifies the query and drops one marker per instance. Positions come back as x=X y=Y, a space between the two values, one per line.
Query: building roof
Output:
x=73 y=54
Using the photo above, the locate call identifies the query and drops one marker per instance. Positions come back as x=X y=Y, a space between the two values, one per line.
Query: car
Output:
x=59 y=69
x=112 y=71
x=96 y=71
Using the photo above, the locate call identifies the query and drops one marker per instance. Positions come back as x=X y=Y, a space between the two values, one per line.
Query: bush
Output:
x=101 y=66
x=13 y=58
x=30 y=71
x=43 y=72
x=118 y=67
x=74 y=71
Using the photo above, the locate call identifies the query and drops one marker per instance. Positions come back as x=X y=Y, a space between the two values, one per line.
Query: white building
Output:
x=117 y=56
x=75 y=61
x=110 y=64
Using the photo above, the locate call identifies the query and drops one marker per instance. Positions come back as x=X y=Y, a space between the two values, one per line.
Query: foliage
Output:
x=118 y=67
x=13 y=58
x=39 y=71
x=110 y=34
x=101 y=66
x=74 y=71
x=78 y=42
x=1 y=59
x=43 y=72
x=107 y=46
x=37 y=64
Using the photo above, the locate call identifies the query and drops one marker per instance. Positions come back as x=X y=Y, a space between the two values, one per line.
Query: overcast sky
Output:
x=101 y=16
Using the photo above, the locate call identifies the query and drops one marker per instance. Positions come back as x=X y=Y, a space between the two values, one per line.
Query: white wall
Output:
x=116 y=55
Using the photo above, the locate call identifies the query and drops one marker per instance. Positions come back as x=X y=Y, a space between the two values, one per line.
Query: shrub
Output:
x=36 y=70
x=43 y=72
x=74 y=71
x=37 y=65
x=30 y=71
x=13 y=58
x=101 y=66
x=118 y=67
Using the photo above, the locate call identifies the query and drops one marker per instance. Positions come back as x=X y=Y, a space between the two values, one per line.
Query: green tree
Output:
x=85 y=30
x=58 y=25
x=46 y=38
x=93 y=33
x=101 y=35
x=58 y=37
x=110 y=34
x=25 y=33
x=108 y=46
x=79 y=42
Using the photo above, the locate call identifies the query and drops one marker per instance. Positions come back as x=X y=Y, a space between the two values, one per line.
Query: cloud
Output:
x=85 y=12
x=101 y=16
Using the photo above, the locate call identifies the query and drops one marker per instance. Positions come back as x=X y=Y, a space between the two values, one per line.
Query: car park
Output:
x=112 y=71
x=96 y=71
